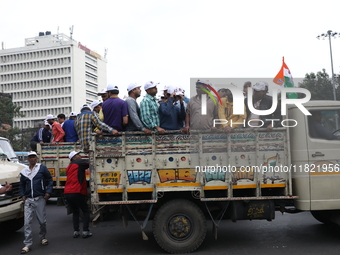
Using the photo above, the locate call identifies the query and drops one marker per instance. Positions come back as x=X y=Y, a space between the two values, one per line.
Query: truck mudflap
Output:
x=253 y=209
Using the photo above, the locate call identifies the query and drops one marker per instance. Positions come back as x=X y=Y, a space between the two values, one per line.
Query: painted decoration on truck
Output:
x=139 y=176
x=242 y=142
x=52 y=171
x=272 y=171
x=62 y=171
x=110 y=178
x=271 y=141
x=242 y=176
x=214 y=176
x=175 y=175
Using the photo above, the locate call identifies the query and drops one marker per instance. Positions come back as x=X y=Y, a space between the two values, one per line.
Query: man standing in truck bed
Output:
x=84 y=124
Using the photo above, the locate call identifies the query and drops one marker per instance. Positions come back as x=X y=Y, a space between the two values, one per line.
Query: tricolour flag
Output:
x=284 y=77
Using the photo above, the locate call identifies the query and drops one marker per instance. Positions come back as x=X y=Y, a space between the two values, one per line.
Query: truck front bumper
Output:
x=11 y=211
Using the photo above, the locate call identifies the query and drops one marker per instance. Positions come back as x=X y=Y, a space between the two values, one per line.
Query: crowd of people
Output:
x=173 y=112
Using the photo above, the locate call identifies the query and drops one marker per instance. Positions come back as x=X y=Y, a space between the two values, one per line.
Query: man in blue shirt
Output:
x=70 y=130
x=171 y=116
x=43 y=135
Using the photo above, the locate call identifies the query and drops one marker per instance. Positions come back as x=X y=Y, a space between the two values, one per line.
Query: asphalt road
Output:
x=287 y=234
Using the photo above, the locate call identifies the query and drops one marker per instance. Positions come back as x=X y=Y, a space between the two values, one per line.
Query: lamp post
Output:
x=330 y=34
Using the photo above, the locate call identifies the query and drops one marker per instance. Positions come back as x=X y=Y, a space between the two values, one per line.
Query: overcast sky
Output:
x=171 y=41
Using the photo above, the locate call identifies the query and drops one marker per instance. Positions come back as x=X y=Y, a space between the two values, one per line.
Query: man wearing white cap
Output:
x=35 y=188
x=43 y=135
x=134 y=123
x=261 y=101
x=70 y=131
x=57 y=131
x=84 y=123
x=115 y=110
x=171 y=116
x=76 y=192
x=103 y=94
x=149 y=109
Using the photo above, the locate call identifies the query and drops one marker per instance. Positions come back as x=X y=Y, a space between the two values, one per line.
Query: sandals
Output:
x=25 y=250
x=44 y=241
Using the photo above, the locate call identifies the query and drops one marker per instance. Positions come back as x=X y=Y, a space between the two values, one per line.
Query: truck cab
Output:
x=11 y=206
x=315 y=159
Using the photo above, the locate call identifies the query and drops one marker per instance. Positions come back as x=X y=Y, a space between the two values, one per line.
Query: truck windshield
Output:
x=6 y=148
x=324 y=124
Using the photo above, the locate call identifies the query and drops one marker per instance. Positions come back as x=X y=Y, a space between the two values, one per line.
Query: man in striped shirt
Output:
x=84 y=124
x=149 y=109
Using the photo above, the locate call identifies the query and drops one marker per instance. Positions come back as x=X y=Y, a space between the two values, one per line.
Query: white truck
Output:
x=11 y=206
x=180 y=180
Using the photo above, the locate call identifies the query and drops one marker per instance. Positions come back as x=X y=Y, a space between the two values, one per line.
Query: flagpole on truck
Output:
x=330 y=34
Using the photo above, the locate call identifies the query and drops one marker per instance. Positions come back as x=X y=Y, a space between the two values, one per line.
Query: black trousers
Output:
x=78 y=202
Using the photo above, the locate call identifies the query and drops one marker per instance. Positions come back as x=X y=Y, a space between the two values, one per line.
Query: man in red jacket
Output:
x=76 y=192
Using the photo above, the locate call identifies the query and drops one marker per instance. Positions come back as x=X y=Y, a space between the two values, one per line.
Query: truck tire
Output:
x=323 y=216
x=179 y=226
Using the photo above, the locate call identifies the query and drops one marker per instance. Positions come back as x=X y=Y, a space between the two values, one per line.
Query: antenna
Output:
x=58 y=31
x=2 y=45
x=105 y=52
x=71 y=31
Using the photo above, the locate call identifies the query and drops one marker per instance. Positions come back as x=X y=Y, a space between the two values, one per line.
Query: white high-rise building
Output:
x=51 y=74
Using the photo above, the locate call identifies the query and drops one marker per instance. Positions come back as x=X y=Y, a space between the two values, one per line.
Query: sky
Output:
x=172 y=41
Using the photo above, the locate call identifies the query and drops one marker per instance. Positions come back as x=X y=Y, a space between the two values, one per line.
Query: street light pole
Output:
x=330 y=34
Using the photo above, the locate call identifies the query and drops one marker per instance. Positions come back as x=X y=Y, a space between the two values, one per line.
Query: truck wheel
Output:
x=179 y=226
x=323 y=216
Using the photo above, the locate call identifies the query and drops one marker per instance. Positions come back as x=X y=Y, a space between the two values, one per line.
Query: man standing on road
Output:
x=35 y=189
x=76 y=192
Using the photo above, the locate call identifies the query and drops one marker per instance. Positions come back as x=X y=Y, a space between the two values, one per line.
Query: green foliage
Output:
x=320 y=85
x=8 y=111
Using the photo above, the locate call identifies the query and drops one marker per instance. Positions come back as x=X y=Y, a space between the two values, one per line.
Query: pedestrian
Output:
x=149 y=109
x=115 y=110
x=6 y=188
x=85 y=122
x=134 y=123
x=35 y=189
x=57 y=131
x=76 y=192
x=69 y=129
x=43 y=135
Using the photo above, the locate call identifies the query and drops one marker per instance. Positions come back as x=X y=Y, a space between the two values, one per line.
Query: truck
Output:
x=181 y=180
x=11 y=205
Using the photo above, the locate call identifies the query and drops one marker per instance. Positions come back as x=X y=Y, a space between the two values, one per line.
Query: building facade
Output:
x=51 y=74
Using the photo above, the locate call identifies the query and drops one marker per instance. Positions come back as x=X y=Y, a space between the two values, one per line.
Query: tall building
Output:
x=51 y=74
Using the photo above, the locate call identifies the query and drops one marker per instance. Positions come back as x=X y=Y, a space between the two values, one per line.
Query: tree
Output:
x=320 y=85
x=8 y=111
